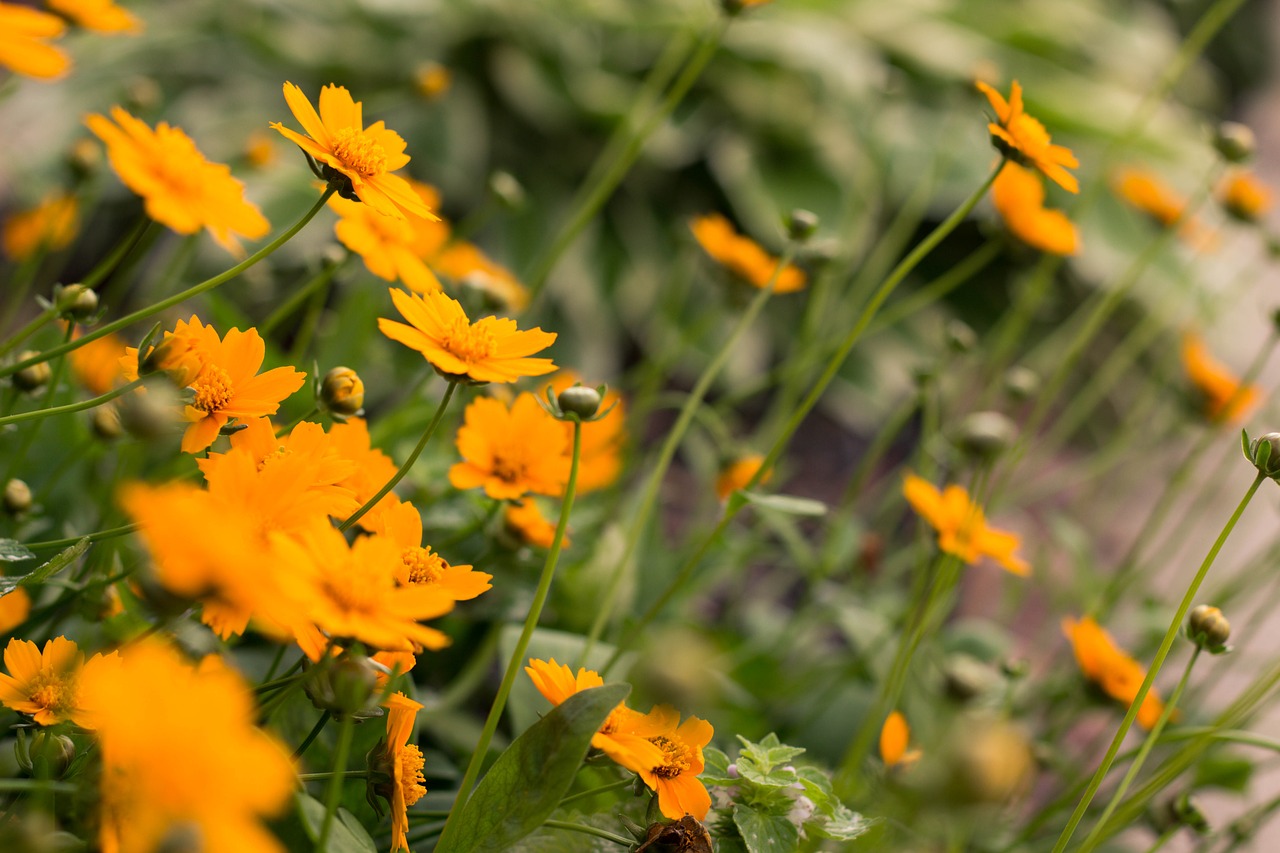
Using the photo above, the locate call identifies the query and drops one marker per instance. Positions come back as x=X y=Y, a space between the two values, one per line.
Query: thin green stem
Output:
x=108 y=264
x=1166 y=644
x=312 y=735
x=97 y=536
x=935 y=290
x=37 y=323
x=176 y=299
x=299 y=296
x=69 y=408
x=603 y=789
x=522 y=644
x=589 y=830
x=408 y=463
x=334 y=795
x=328 y=774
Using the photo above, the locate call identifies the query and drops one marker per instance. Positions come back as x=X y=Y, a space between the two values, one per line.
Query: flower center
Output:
x=424 y=566
x=411 y=778
x=611 y=722
x=278 y=453
x=52 y=691
x=359 y=152
x=469 y=343
x=507 y=470
x=678 y=757
x=213 y=390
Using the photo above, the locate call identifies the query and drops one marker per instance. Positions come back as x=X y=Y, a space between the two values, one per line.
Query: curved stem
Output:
x=37 y=323
x=334 y=795
x=311 y=737
x=590 y=830
x=37 y=414
x=177 y=298
x=299 y=296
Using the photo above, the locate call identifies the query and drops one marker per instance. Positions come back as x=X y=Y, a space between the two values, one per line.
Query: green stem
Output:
x=38 y=322
x=97 y=536
x=176 y=299
x=603 y=789
x=37 y=414
x=311 y=737
x=328 y=774
x=935 y=290
x=108 y=264
x=334 y=795
x=299 y=296
x=1154 y=669
x=589 y=830
x=29 y=435
x=19 y=284
x=408 y=463
x=522 y=644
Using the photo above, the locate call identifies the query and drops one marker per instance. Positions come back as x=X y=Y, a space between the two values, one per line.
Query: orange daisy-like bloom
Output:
x=23 y=32
x=49 y=226
x=961 y=525
x=526 y=521
x=373 y=469
x=738 y=473
x=1018 y=196
x=182 y=189
x=1106 y=664
x=491 y=349
x=743 y=256
x=420 y=565
x=625 y=736
x=44 y=684
x=1225 y=399
x=1245 y=197
x=366 y=156
x=402 y=765
x=393 y=249
x=1026 y=139
x=895 y=735
x=97 y=364
x=510 y=451
x=102 y=16
x=469 y=267
x=193 y=765
x=675 y=778
x=600 y=457
x=1145 y=191
x=15 y=607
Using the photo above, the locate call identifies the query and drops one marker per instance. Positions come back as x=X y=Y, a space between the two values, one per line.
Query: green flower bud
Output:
x=801 y=224
x=1208 y=628
x=84 y=158
x=966 y=678
x=342 y=392
x=75 y=302
x=579 y=400
x=105 y=422
x=346 y=686
x=1235 y=142
x=507 y=190
x=153 y=414
x=32 y=378
x=960 y=336
x=1021 y=383
x=17 y=497
x=985 y=435
x=1264 y=453
x=50 y=755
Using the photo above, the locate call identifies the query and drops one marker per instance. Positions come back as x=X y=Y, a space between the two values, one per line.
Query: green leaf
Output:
x=346 y=835
x=765 y=833
x=788 y=504
x=716 y=769
x=527 y=782
x=1230 y=772
x=13 y=551
x=49 y=569
x=843 y=824
x=763 y=762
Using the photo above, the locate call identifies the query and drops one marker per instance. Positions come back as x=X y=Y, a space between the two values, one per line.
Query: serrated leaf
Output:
x=48 y=570
x=346 y=835
x=788 y=504
x=716 y=768
x=763 y=762
x=763 y=833
x=13 y=551
x=527 y=782
x=843 y=824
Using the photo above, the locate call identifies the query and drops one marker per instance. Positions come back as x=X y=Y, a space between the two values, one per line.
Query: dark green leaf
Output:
x=1230 y=772
x=716 y=771
x=48 y=570
x=13 y=551
x=763 y=833
x=529 y=779
x=346 y=835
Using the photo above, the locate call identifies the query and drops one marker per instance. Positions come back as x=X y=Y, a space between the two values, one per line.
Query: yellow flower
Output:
x=393 y=248
x=15 y=607
x=23 y=32
x=181 y=188
x=402 y=784
x=491 y=349
x=182 y=760
x=1244 y=196
x=738 y=473
x=527 y=522
x=1026 y=139
x=1225 y=399
x=1018 y=196
x=420 y=565
x=365 y=156
x=675 y=777
x=432 y=80
x=625 y=736
x=104 y=16
x=895 y=735
x=45 y=684
x=742 y=256
x=47 y=227
x=470 y=267
x=510 y=451
x=1104 y=663
x=97 y=364
x=961 y=525
x=373 y=468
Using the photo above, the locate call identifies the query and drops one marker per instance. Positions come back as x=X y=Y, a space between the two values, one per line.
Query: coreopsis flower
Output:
x=525 y=519
x=398 y=767
x=394 y=662
x=97 y=364
x=1018 y=196
x=895 y=736
x=737 y=473
x=182 y=353
x=23 y=49
x=421 y=565
x=15 y=607
x=625 y=736
x=1106 y=664
x=181 y=189
x=675 y=778
x=373 y=468
x=1145 y=191
x=181 y=757
x=961 y=526
x=1244 y=197
x=469 y=267
x=394 y=249
x=743 y=256
x=600 y=456
x=47 y=227
x=102 y=16
x=1225 y=398
x=45 y=683
x=1025 y=139
x=510 y=451
x=491 y=349
x=365 y=156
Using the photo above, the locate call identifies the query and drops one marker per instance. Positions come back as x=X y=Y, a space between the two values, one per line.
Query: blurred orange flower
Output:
x=737 y=473
x=1244 y=196
x=1018 y=196
x=49 y=226
x=1103 y=662
x=525 y=519
x=961 y=525
x=743 y=256
x=45 y=684
x=23 y=32
x=1225 y=399
x=895 y=736
x=393 y=249
x=103 y=16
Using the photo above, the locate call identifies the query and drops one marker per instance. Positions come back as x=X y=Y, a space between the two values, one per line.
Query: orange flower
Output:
x=45 y=684
x=625 y=736
x=895 y=735
x=403 y=763
x=742 y=256
x=1145 y=191
x=527 y=522
x=1225 y=399
x=1244 y=196
x=1104 y=663
x=97 y=363
x=432 y=80
x=419 y=565
x=491 y=349
x=15 y=607
x=1018 y=196
x=738 y=473
x=961 y=525
x=260 y=149
x=600 y=458
x=393 y=249
x=365 y=156
x=373 y=468
x=47 y=227
x=470 y=267
x=103 y=16
x=23 y=32
x=1026 y=139
x=181 y=188
x=675 y=778
x=510 y=451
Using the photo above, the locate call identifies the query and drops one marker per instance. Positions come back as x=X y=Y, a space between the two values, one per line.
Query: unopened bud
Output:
x=346 y=686
x=1209 y=629
x=507 y=190
x=960 y=336
x=1235 y=142
x=105 y=422
x=34 y=377
x=151 y=412
x=967 y=678
x=1021 y=383
x=1177 y=811
x=51 y=755
x=984 y=435
x=85 y=157
x=76 y=302
x=801 y=224
x=579 y=400
x=342 y=392
x=17 y=497
x=1264 y=453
